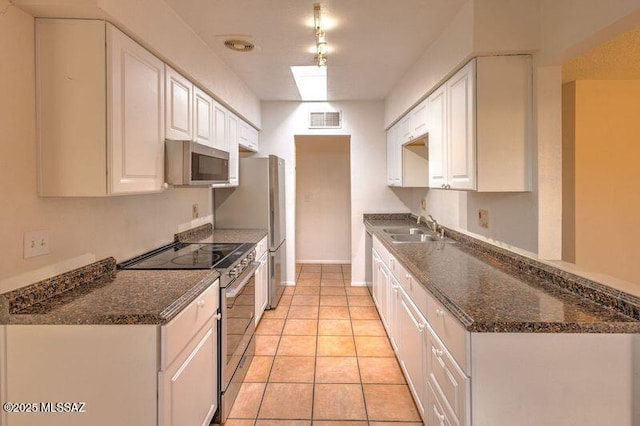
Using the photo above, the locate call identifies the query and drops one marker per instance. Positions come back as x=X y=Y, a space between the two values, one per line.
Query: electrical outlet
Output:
x=483 y=218
x=36 y=243
x=195 y=212
x=423 y=203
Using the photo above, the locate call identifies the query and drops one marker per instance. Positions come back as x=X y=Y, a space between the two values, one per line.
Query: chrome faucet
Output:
x=436 y=227
x=433 y=224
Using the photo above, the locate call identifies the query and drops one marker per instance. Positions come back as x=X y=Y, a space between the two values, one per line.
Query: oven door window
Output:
x=207 y=168
x=240 y=317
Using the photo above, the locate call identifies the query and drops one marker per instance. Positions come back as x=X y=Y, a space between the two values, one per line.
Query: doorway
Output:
x=323 y=199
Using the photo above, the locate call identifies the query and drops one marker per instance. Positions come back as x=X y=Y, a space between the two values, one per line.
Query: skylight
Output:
x=311 y=82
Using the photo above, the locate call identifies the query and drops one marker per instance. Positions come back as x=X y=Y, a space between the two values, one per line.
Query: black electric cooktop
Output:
x=189 y=256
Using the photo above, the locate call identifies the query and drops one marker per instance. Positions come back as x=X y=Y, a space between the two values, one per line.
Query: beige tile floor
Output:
x=323 y=358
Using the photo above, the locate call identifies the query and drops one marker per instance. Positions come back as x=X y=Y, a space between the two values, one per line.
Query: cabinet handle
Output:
x=165 y=185
x=443 y=186
x=421 y=326
x=407 y=276
x=200 y=303
x=440 y=313
x=439 y=353
x=217 y=317
x=441 y=417
x=448 y=186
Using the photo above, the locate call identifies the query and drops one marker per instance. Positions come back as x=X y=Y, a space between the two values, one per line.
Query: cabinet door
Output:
x=254 y=139
x=419 y=117
x=406 y=129
x=462 y=140
x=383 y=294
x=392 y=172
x=375 y=278
x=232 y=137
x=135 y=112
x=437 y=110
x=392 y=313
x=179 y=104
x=262 y=287
x=220 y=127
x=203 y=118
x=189 y=386
x=410 y=327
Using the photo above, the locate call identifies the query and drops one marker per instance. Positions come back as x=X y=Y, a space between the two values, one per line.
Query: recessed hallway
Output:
x=323 y=357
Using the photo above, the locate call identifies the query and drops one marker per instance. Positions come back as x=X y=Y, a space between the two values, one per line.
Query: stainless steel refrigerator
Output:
x=258 y=202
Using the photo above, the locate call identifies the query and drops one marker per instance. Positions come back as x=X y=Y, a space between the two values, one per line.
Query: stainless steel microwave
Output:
x=189 y=163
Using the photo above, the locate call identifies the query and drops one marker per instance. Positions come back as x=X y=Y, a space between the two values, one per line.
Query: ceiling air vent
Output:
x=325 y=120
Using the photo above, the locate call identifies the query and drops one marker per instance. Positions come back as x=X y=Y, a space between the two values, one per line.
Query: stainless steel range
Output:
x=237 y=266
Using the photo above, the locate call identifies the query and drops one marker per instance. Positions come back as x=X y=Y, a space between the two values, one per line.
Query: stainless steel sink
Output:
x=405 y=230
x=413 y=238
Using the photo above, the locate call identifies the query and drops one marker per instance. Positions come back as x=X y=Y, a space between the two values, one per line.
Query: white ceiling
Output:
x=371 y=45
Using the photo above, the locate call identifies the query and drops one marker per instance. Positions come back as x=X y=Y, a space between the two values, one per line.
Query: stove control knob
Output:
x=245 y=261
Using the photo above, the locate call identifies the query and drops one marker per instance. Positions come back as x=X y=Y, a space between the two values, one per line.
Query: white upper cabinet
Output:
x=220 y=127
x=136 y=111
x=101 y=117
x=460 y=111
x=202 y=118
x=437 y=107
x=232 y=137
x=179 y=106
x=419 y=118
x=394 y=173
x=480 y=127
x=247 y=137
x=414 y=124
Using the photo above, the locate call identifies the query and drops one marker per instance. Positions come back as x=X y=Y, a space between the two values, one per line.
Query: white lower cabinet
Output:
x=410 y=327
x=405 y=309
x=143 y=375
x=262 y=288
x=261 y=279
x=188 y=387
x=459 y=378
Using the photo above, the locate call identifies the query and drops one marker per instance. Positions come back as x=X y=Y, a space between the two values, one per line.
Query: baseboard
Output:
x=359 y=284
x=326 y=262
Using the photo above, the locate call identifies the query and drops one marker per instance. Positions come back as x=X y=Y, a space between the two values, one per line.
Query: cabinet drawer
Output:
x=447 y=377
x=179 y=331
x=435 y=413
x=261 y=248
x=382 y=252
x=449 y=330
x=412 y=287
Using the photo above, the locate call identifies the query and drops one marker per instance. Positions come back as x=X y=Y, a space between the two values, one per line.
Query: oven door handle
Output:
x=237 y=286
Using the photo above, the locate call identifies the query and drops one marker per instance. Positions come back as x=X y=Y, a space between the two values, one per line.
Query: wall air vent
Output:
x=325 y=120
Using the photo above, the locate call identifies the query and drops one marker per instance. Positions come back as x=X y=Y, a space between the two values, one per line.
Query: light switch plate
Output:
x=483 y=218
x=36 y=243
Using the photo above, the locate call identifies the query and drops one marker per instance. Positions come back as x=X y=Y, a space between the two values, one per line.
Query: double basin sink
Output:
x=406 y=234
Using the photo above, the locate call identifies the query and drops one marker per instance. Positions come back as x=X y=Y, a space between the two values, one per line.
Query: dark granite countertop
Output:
x=489 y=290
x=122 y=297
x=206 y=234
x=98 y=294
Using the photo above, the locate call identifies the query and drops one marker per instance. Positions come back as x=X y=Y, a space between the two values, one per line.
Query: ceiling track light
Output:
x=321 y=37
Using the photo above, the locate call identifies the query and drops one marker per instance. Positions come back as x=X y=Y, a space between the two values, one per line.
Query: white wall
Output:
x=448 y=52
x=155 y=25
x=323 y=199
x=81 y=229
x=369 y=191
